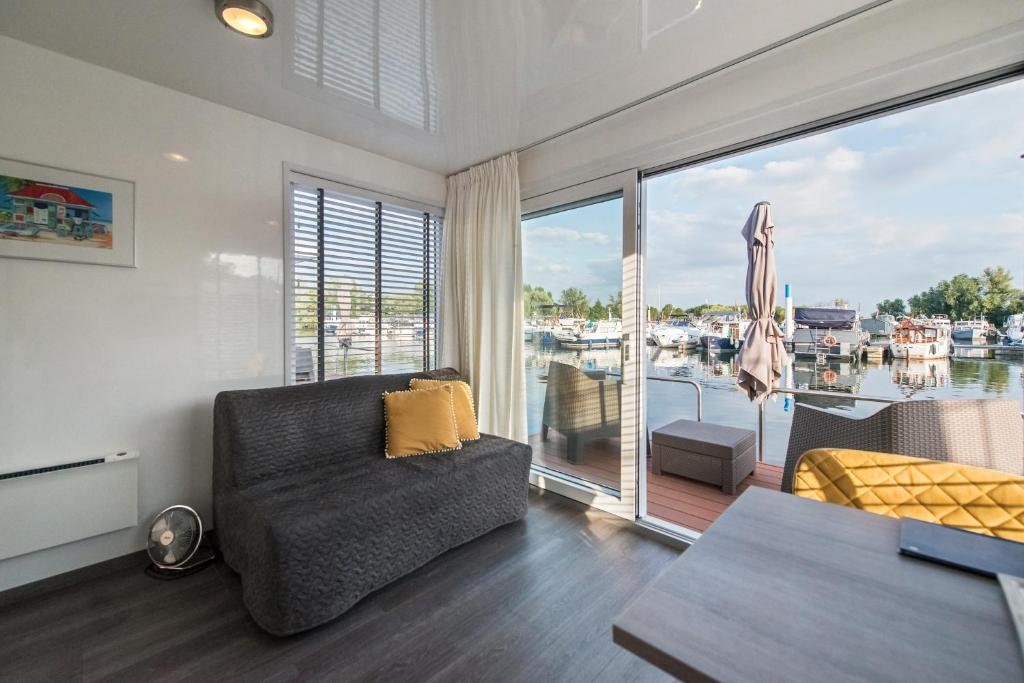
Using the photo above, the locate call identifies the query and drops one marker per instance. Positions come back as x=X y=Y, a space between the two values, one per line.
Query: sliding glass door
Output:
x=582 y=323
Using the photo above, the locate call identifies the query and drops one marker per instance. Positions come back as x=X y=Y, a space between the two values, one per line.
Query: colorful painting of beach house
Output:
x=46 y=213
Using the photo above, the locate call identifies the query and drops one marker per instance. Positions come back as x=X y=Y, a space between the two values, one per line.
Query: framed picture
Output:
x=56 y=215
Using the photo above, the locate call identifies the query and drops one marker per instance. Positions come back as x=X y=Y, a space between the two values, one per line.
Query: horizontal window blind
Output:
x=364 y=284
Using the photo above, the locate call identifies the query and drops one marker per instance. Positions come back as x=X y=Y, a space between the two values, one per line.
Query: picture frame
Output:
x=54 y=214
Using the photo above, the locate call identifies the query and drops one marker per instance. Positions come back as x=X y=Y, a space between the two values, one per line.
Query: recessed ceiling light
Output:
x=174 y=156
x=249 y=17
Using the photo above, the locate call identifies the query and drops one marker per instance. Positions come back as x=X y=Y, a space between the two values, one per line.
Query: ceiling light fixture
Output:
x=249 y=17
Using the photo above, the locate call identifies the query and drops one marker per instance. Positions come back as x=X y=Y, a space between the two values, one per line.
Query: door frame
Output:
x=633 y=433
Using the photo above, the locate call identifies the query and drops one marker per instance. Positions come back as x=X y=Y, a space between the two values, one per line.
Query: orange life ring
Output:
x=829 y=377
x=829 y=341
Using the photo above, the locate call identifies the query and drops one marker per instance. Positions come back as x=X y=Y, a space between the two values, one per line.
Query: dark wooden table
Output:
x=782 y=588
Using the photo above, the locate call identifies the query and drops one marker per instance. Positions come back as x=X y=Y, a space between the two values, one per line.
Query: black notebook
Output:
x=987 y=555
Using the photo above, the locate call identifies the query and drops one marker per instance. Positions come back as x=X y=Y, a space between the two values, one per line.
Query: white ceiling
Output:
x=460 y=81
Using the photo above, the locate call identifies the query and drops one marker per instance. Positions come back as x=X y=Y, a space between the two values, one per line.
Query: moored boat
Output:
x=716 y=342
x=879 y=327
x=919 y=338
x=675 y=334
x=1013 y=330
x=834 y=332
x=724 y=332
x=970 y=330
x=602 y=334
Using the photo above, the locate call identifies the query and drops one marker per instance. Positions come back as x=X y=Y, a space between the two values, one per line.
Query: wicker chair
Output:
x=581 y=406
x=980 y=433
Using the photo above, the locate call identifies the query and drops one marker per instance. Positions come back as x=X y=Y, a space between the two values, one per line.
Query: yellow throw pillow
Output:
x=465 y=415
x=418 y=422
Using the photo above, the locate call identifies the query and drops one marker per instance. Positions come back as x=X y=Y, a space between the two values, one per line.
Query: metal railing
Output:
x=692 y=383
x=761 y=407
x=676 y=380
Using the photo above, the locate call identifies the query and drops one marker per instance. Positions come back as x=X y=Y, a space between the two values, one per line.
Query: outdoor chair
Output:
x=975 y=499
x=580 y=407
x=979 y=433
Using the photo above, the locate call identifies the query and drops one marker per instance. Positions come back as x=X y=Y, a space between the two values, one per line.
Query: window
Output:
x=379 y=54
x=916 y=213
x=364 y=277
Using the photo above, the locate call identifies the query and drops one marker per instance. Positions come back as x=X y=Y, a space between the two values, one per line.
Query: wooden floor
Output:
x=675 y=499
x=532 y=601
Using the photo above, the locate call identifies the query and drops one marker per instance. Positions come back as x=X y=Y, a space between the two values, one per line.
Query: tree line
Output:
x=343 y=298
x=574 y=303
x=990 y=295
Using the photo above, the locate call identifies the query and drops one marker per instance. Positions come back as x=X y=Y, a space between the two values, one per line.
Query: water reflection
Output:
x=912 y=376
x=990 y=375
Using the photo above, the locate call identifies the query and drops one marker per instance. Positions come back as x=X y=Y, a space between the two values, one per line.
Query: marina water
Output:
x=970 y=375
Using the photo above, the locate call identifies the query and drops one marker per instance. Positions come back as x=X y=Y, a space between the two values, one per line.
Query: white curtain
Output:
x=482 y=293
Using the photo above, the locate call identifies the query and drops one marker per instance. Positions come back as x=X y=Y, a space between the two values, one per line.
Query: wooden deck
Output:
x=675 y=499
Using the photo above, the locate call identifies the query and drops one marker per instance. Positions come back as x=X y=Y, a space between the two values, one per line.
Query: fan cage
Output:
x=183 y=562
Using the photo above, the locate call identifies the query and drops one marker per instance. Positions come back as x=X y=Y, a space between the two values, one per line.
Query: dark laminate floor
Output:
x=532 y=601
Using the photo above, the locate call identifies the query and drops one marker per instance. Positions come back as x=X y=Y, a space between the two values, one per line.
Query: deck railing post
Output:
x=760 y=431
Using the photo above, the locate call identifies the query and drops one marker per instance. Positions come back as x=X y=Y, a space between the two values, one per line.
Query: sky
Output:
x=873 y=211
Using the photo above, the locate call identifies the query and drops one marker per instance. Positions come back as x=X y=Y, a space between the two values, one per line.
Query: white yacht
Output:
x=676 y=333
x=600 y=334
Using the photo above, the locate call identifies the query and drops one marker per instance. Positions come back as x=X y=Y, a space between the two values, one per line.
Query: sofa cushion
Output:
x=462 y=395
x=418 y=422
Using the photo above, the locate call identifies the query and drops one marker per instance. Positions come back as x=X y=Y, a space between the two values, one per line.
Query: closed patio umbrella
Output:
x=763 y=354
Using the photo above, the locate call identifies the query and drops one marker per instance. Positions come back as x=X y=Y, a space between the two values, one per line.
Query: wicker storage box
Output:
x=715 y=454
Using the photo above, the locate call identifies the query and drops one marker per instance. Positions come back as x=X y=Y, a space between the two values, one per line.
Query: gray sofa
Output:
x=312 y=515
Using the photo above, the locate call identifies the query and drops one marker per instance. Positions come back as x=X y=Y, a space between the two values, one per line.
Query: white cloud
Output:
x=558 y=234
x=842 y=159
x=788 y=167
x=882 y=209
x=553 y=268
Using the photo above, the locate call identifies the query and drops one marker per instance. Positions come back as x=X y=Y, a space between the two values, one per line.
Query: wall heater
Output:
x=48 y=506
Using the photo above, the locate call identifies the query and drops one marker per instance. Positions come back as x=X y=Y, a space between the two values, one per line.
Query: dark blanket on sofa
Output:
x=313 y=516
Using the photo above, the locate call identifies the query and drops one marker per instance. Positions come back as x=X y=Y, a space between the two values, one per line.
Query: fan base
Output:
x=201 y=560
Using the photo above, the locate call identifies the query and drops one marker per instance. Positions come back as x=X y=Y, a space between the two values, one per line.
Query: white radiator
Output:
x=56 y=504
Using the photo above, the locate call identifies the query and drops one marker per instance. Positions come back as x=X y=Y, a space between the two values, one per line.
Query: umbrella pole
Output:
x=760 y=431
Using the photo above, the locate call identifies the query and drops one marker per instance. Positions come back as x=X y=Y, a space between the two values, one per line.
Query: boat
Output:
x=919 y=338
x=724 y=333
x=553 y=330
x=601 y=334
x=942 y=320
x=879 y=327
x=1013 y=330
x=833 y=332
x=970 y=330
x=675 y=334
x=651 y=326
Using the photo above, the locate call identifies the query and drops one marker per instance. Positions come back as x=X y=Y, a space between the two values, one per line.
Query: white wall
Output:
x=97 y=359
x=892 y=50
